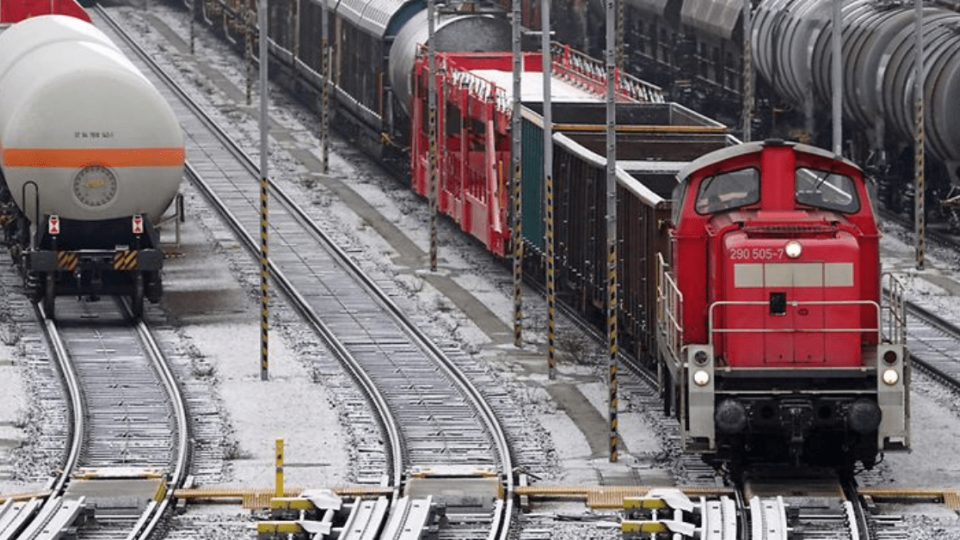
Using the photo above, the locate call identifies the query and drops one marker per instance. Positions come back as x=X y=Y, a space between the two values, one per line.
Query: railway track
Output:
x=441 y=435
x=127 y=449
x=933 y=340
x=817 y=505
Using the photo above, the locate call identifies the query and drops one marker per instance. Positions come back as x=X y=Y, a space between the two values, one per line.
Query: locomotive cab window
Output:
x=728 y=190
x=827 y=190
x=679 y=192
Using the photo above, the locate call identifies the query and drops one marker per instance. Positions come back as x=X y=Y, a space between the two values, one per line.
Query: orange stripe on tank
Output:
x=81 y=157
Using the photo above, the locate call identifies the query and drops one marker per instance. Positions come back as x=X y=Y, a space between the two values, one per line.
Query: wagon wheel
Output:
x=49 y=295
x=136 y=299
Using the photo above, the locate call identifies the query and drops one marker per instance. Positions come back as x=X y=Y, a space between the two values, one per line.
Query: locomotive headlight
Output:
x=701 y=377
x=891 y=377
x=700 y=358
x=793 y=249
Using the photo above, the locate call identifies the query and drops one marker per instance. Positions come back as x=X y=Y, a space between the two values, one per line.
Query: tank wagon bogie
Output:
x=92 y=158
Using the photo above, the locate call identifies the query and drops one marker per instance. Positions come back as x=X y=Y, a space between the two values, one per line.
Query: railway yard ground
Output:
x=211 y=302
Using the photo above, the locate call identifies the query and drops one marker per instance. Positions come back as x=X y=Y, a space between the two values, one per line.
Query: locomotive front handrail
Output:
x=711 y=330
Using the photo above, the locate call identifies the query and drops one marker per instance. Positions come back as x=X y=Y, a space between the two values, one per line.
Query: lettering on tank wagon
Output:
x=93 y=135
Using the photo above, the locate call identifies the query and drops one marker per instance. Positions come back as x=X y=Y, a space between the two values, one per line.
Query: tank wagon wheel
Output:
x=136 y=299
x=49 y=296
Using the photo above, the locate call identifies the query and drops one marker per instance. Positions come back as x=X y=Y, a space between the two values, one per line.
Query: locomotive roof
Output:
x=752 y=147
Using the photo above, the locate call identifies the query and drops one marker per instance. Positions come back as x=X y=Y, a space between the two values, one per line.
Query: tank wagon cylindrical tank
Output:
x=792 y=41
x=92 y=156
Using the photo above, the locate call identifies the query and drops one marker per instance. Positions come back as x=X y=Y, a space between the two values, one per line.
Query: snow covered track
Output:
x=431 y=414
x=128 y=444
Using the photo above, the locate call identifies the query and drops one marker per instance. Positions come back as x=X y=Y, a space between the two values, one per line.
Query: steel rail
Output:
x=466 y=386
x=75 y=397
x=181 y=465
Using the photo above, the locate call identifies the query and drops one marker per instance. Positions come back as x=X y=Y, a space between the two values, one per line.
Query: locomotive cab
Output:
x=775 y=346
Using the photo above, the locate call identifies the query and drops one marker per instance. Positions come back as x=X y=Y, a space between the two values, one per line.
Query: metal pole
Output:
x=748 y=96
x=547 y=67
x=325 y=106
x=432 y=130
x=279 y=468
x=193 y=16
x=248 y=37
x=620 y=59
x=551 y=286
x=920 y=190
x=295 y=30
x=515 y=140
x=612 y=225
x=836 y=76
x=264 y=154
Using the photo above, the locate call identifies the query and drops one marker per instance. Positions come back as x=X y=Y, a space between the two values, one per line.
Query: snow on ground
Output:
x=211 y=294
x=221 y=319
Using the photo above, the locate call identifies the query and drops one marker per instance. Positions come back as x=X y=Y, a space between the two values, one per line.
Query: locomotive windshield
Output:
x=827 y=190
x=728 y=190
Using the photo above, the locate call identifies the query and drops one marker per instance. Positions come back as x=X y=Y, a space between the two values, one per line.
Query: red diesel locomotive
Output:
x=774 y=334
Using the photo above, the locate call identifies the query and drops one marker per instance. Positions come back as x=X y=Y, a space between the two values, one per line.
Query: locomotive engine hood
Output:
x=788 y=282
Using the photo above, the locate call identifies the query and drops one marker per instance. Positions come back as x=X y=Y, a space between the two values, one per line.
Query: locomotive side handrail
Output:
x=711 y=330
x=669 y=309
x=896 y=309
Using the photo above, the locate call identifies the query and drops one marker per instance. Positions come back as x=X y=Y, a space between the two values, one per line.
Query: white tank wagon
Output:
x=92 y=156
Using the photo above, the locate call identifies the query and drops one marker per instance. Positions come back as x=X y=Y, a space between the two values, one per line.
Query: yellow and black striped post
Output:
x=516 y=152
x=551 y=288
x=193 y=19
x=325 y=106
x=294 y=20
x=620 y=59
x=748 y=92
x=546 y=59
x=264 y=223
x=432 y=131
x=264 y=274
x=279 y=464
x=248 y=37
x=919 y=191
x=612 y=343
x=517 y=259
x=611 y=217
